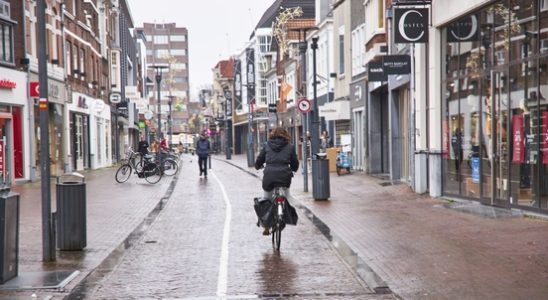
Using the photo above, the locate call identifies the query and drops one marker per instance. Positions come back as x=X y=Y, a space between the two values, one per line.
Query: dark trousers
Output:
x=202 y=162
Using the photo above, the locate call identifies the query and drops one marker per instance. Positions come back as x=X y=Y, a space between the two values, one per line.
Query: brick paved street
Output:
x=420 y=249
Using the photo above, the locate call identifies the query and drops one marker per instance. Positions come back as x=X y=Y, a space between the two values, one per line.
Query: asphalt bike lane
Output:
x=205 y=244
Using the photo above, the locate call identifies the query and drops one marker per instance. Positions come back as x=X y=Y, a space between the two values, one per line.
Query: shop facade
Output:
x=494 y=103
x=13 y=101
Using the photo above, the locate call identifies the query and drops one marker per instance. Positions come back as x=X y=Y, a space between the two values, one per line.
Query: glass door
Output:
x=499 y=143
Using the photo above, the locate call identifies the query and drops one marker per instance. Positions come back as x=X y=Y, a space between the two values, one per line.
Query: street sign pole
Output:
x=48 y=245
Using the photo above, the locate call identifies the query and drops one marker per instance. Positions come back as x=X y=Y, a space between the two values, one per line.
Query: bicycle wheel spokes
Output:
x=123 y=173
x=170 y=167
x=152 y=173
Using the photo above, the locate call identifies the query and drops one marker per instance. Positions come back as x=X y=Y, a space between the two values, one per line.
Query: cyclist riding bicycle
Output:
x=281 y=161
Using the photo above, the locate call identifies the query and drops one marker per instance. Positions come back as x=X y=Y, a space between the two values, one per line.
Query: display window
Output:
x=495 y=111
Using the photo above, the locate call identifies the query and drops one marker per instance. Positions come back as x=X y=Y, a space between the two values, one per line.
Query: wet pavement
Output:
x=370 y=240
x=190 y=251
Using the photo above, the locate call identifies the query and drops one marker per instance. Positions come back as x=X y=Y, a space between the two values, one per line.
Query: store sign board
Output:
x=411 y=25
x=34 y=89
x=396 y=64
x=7 y=84
x=375 y=72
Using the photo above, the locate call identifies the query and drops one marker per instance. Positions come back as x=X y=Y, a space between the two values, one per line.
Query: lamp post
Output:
x=228 y=123
x=158 y=69
x=170 y=119
x=48 y=243
x=320 y=165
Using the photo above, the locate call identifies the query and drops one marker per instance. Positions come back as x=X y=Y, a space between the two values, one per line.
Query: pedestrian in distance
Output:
x=281 y=161
x=203 y=147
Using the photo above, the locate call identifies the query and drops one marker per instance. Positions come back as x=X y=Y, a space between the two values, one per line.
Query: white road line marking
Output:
x=222 y=280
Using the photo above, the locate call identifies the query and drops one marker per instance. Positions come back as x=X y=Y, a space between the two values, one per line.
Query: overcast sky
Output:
x=216 y=28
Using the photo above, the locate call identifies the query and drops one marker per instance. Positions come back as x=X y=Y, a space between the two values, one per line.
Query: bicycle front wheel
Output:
x=123 y=173
x=152 y=173
x=170 y=167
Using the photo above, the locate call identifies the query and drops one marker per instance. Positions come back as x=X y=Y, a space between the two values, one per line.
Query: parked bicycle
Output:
x=170 y=163
x=144 y=166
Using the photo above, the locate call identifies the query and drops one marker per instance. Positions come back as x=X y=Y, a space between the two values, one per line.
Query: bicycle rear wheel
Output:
x=277 y=235
x=152 y=173
x=123 y=173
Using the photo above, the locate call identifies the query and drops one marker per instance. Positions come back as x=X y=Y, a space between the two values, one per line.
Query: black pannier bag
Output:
x=290 y=214
x=263 y=209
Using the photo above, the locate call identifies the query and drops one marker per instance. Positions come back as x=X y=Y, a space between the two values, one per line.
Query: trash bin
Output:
x=70 y=222
x=320 y=177
x=9 y=235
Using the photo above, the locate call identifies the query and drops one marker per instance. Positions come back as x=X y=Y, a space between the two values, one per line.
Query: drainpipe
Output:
x=30 y=101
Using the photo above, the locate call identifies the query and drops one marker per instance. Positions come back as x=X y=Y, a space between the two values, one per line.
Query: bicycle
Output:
x=279 y=202
x=169 y=165
x=145 y=168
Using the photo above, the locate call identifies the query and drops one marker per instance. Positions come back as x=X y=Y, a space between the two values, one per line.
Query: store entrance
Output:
x=496 y=190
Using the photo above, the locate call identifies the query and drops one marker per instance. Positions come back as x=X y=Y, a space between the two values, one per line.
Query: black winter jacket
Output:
x=281 y=161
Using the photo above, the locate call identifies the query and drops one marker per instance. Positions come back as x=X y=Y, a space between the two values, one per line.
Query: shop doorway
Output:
x=496 y=184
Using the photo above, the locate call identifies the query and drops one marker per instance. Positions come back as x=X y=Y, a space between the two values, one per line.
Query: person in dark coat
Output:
x=281 y=161
x=202 y=149
x=142 y=147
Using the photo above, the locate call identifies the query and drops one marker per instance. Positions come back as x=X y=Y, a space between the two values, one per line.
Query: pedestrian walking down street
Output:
x=203 y=148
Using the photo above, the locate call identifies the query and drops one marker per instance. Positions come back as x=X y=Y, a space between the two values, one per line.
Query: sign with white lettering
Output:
x=464 y=30
x=396 y=64
x=411 y=25
x=375 y=72
x=115 y=97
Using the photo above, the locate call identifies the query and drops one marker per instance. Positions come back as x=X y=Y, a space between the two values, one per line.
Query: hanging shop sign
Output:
x=411 y=25
x=396 y=64
x=34 y=88
x=228 y=102
x=412 y=2
x=464 y=30
x=518 y=138
x=237 y=85
x=272 y=107
x=115 y=97
x=375 y=72
x=250 y=67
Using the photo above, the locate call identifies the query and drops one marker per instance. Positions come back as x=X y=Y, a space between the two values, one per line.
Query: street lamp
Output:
x=170 y=119
x=158 y=69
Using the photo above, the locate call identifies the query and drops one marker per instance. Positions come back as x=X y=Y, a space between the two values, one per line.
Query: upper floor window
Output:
x=341 y=50
x=177 y=38
x=162 y=53
x=543 y=5
x=6 y=42
x=160 y=39
x=179 y=52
